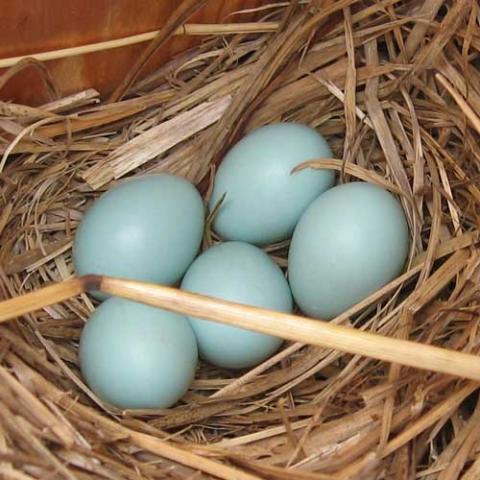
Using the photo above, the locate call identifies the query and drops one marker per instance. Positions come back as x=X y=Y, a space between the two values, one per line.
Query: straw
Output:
x=289 y=327
x=192 y=29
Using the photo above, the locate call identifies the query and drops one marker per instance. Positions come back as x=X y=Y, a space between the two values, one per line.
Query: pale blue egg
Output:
x=136 y=356
x=148 y=228
x=350 y=242
x=263 y=199
x=240 y=273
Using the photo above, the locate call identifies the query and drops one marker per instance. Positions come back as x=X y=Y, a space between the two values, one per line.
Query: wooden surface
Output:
x=40 y=25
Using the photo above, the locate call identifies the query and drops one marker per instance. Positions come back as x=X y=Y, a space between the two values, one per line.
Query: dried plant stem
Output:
x=349 y=169
x=290 y=327
x=171 y=452
x=41 y=298
x=473 y=473
x=299 y=329
x=180 y=15
x=461 y=102
x=239 y=382
x=156 y=141
x=430 y=418
x=188 y=29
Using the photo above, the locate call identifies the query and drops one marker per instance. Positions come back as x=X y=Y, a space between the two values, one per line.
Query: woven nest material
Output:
x=394 y=86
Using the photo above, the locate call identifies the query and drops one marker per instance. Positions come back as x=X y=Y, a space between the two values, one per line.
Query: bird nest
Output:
x=394 y=87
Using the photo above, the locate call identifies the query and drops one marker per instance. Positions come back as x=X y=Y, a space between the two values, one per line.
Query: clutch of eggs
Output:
x=348 y=241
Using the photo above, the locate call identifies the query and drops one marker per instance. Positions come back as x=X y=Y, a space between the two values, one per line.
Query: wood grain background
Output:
x=40 y=25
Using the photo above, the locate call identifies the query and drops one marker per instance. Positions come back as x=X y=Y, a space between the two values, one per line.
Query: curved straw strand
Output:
x=291 y=327
x=350 y=169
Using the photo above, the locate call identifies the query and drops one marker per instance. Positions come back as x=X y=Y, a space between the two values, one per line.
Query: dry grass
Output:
x=395 y=87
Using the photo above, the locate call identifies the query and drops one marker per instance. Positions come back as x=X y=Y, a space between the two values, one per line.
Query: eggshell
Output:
x=350 y=242
x=136 y=356
x=241 y=273
x=263 y=198
x=148 y=228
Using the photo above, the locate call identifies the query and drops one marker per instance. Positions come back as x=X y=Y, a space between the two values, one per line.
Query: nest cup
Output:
x=396 y=90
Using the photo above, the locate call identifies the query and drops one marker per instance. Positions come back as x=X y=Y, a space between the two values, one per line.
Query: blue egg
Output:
x=148 y=228
x=241 y=273
x=350 y=242
x=263 y=198
x=136 y=356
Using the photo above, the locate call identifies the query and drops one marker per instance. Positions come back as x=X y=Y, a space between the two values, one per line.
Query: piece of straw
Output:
x=290 y=327
x=461 y=102
x=192 y=29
